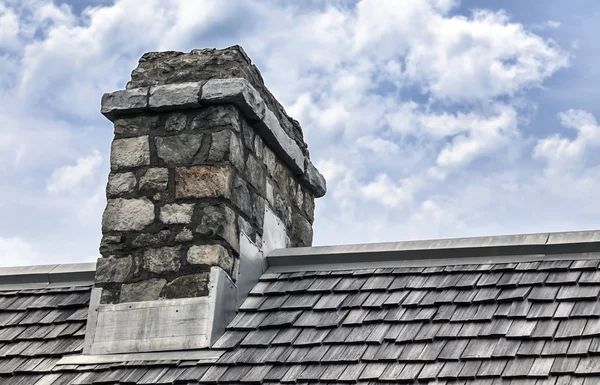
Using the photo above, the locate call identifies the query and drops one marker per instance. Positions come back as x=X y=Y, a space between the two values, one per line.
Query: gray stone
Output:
x=120 y=183
x=220 y=145
x=245 y=227
x=151 y=239
x=283 y=209
x=282 y=177
x=236 y=153
x=302 y=229
x=248 y=135
x=127 y=214
x=258 y=147
x=255 y=174
x=148 y=290
x=124 y=101
x=218 y=116
x=130 y=152
x=259 y=211
x=179 y=149
x=309 y=205
x=241 y=196
x=162 y=260
x=155 y=179
x=172 y=96
x=109 y=296
x=176 y=213
x=284 y=146
x=184 y=235
x=299 y=197
x=269 y=193
x=176 y=122
x=187 y=286
x=219 y=221
x=269 y=160
x=237 y=91
x=210 y=255
x=110 y=244
x=136 y=125
x=113 y=269
x=314 y=180
x=203 y=182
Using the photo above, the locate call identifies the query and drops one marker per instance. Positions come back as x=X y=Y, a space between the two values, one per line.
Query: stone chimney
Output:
x=206 y=167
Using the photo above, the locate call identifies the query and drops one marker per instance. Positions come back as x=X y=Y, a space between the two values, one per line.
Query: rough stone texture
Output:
x=271 y=131
x=184 y=235
x=151 y=239
x=155 y=179
x=220 y=146
x=136 y=125
x=237 y=91
x=130 y=152
x=127 y=214
x=204 y=64
x=202 y=182
x=236 y=152
x=219 y=221
x=315 y=180
x=178 y=149
x=181 y=95
x=218 y=116
x=255 y=174
x=241 y=196
x=187 y=286
x=302 y=229
x=120 y=183
x=124 y=100
x=162 y=260
x=148 y=290
x=177 y=213
x=113 y=269
x=211 y=255
x=176 y=122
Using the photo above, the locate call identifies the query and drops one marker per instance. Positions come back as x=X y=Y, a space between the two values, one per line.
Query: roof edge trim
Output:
x=510 y=248
x=41 y=276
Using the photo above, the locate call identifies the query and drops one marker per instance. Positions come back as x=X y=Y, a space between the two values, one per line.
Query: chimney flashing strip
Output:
x=42 y=276
x=439 y=252
x=204 y=356
x=238 y=91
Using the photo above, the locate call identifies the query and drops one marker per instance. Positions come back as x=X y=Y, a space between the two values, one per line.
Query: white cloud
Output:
x=387 y=193
x=70 y=178
x=15 y=251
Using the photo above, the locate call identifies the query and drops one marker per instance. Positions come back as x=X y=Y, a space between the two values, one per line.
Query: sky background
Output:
x=429 y=119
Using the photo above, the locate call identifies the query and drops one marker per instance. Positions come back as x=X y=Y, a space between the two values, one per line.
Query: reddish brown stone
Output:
x=203 y=182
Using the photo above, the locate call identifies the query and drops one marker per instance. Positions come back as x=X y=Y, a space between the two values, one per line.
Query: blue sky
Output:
x=434 y=119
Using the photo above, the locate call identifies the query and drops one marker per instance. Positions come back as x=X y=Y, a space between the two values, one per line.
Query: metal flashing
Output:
x=221 y=304
x=437 y=252
x=40 y=276
x=203 y=356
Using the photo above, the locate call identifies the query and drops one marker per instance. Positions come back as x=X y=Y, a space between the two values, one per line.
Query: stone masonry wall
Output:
x=182 y=186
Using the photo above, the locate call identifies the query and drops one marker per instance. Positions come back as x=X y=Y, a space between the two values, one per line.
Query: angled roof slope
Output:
x=496 y=318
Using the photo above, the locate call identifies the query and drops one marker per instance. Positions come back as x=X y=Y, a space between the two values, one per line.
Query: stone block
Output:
x=127 y=214
x=176 y=122
x=210 y=255
x=258 y=147
x=255 y=174
x=309 y=205
x=135 y=125
x=148 y=290
x=302 y=229
x=151 y=239
x=173 y=96
x=203 y=182
x=259 y=211
x=217 y=116
x=176 y=213
x=120 y=183
x=269 y=193
x=270 y=160
x=236 y=152
x=162 y=260
x=220 y=146
x=178 y=149
x=282 y=178
x=314 y=180
x=113 y=269
x=124 y=101
x=237 y=91
x=185 y=235
x=219 y=221
x=248 y=135
x=284 y=146
x=241 y=196
x=155 y=179
x=130 y=152
x=187 y=286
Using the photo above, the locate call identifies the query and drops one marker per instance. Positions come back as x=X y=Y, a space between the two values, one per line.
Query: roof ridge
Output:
x=40 y=276
x=483 y=249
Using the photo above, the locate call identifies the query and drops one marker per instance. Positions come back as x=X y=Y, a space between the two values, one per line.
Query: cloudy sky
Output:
x=429 y=119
